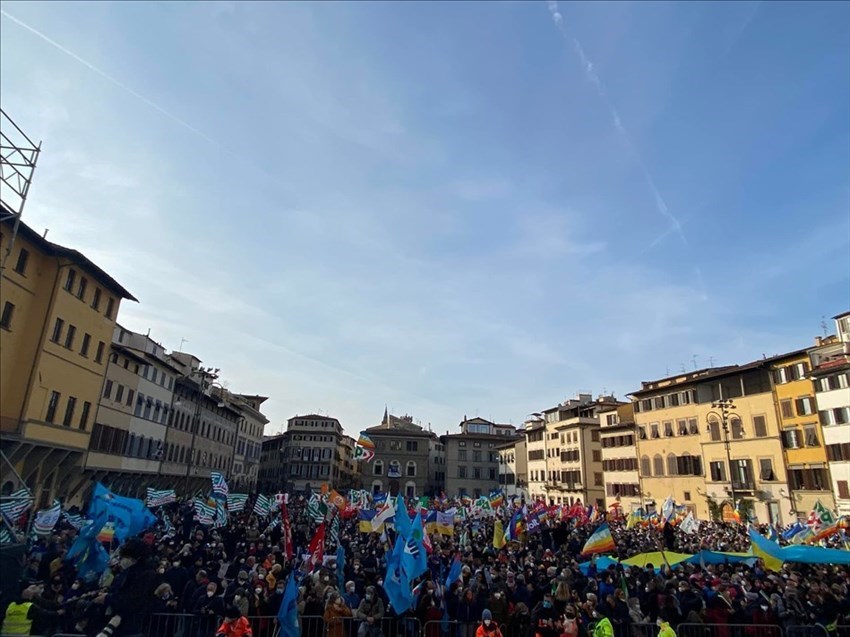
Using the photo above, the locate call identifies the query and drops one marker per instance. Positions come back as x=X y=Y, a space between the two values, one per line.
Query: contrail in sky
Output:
x=107 y=77
x=593 y=76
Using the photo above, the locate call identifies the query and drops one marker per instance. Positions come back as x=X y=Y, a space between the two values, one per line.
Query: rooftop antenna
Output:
x=683 y=368
x=182 y=340
x=711 y=361
x=694 y=359
x=668 y=370
x=823 y=326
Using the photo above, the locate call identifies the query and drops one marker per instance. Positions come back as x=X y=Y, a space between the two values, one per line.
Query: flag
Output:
x=445 y=523
x=365 y=517
x=454 y=571
x=204 y=513
x=316 y=509
x=160 y=497
x=236 y=502
x=219 y=485
x=820 y=516
x=337 y=499
x=333 y=534
x=634 y=518
x=316 y=549
x=396 y=582
x=364 y=448
x=668 y=508
x=106 y=534
x=600 y=542
x=87 y=553
x=46 y=519
x=498 y=535
x=129 y=516
x=772 y=535
x=765 y=549
x=414 y=561
x=74 y=519
x=15 y=505
x=220 y=518
x=384 y=514
x=497 y=499
x=168 y=530
x=262 y=505
x=689 y=524
x=287 y=615
x=340 y=566
x=287 y=531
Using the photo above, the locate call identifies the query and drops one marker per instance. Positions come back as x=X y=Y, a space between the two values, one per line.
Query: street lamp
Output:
x=723 y=410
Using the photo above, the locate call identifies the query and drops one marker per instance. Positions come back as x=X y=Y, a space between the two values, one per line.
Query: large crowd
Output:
x=199 y=582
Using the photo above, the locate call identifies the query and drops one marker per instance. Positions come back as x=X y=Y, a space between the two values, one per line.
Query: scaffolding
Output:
x=18 y=157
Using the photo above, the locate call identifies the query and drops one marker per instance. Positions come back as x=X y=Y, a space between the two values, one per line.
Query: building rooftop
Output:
x=56 y=250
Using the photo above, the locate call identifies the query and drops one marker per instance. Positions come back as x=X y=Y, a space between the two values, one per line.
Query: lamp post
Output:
x=722 y=410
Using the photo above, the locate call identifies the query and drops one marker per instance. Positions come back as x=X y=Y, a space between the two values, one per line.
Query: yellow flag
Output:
x=498 y=535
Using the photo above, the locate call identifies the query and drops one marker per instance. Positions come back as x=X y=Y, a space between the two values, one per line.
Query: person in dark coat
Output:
x=130 y=595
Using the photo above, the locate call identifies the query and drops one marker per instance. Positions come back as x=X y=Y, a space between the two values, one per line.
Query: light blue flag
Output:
x=287 y=616
x=340 y=566
x=414 y=560
x=129 y=516
x=396 y=582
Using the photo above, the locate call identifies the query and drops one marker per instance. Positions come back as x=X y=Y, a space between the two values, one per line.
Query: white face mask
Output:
x=210 y=593
x=258 y=590
x=126 y=562
x=486 y=622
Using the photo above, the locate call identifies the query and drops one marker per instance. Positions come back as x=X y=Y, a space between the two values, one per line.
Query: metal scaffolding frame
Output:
x=18 y=157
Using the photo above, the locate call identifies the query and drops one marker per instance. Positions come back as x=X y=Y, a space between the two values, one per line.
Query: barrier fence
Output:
x=188 y=625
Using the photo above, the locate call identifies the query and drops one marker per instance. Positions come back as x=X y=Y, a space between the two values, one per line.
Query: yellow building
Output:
x=802 y=435
x=619 y=458
x=685 y=451
x=58 y=315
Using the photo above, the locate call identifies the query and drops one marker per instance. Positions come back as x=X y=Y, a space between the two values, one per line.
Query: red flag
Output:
x=317 y=549
x=426 y=539
x=287 y=530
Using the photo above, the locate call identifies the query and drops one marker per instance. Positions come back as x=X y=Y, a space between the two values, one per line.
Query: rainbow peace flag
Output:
x=600 y=542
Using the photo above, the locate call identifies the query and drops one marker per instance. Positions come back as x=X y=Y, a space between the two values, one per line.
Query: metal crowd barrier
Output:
x=730 y=630
x=640 y=630
x=451 y=628
x=190 y=625
x=384 y=627
x=815 y=630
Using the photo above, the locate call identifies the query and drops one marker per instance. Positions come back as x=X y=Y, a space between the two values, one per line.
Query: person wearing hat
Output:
x=488 y=628
x=130 y=595
x=234 y=624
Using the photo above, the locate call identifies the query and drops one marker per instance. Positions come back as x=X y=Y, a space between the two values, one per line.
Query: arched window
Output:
x=410 y=472
x=378 y=468
x=645 y=469
x=377 y=486
x=658 y=465
x=714 y=429
x=736 y=425
x=394 y=469
x=672 y=469
x=410 y=489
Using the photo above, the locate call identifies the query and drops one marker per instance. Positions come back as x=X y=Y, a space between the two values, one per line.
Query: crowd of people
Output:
x=230 y=581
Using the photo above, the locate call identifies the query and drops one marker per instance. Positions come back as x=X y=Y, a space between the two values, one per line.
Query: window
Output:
x=737 y=427
x=476 y=473
x=658 y=402
x=84 y=415
x=682 y=427
x=837 y=416
x=57 y=330
x=838 y=452
x=644 y=466
x=81 y=288
x=119 y=393
x=642 y=432
x=461 y=472
x=69 y=411
x=810 y=435
x=791 y=438
x=759 y=426
x=51 y=406
x=766 y=470
x=84 y=350
x=668 y=428
x=805 y=406
x=687 y=495
x=476 y=456
x=110 y=307
x=598 y=479
x=130 y=393
x=673 y=400
x=70 y=279
x=787 y=408
x=461 y=454
x=742 y=473
x=594 y=435
x=672 y=467
x=658 y=465
x=717 y=469
x=98 y=357
x=21 y=265
x=6 y=318
x=843 y=489
x=693 y=426
x=378 y=469
x=95 y=301
x=714 y=430
x=597 y=455
x=654 y=430
x=107 y=389
x=69 y=337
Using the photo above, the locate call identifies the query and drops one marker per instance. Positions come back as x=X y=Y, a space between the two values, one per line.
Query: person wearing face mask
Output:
x=488 y=627
x=336 y=616
x=164 y=623
x=130 y=596
x=520 y=621
x=371 y=612
x=544 y=618
x=664 y=627
x=498 y=606
x=350 y=597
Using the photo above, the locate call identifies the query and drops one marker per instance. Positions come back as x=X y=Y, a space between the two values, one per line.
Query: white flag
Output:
x=689 y=524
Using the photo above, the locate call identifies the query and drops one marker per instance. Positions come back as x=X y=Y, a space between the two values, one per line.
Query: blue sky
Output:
x=450 y=208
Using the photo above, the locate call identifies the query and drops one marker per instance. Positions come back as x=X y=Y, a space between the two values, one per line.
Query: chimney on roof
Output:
x=818 y=341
